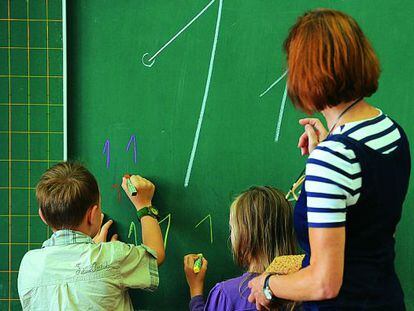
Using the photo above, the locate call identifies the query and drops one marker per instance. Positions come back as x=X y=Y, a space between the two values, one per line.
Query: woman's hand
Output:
x=195 y=280
x=256 y=295
x=314 y=133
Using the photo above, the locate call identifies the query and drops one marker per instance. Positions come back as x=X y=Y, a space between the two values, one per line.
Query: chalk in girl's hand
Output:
x=198 y=263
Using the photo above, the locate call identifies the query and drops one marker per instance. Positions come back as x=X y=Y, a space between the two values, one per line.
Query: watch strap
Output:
x=147 y=211
x=266 y=281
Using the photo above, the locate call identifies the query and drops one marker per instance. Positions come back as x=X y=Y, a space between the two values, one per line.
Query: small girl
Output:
x=261 y=227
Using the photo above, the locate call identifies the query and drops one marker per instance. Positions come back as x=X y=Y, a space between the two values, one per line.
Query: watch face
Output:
x=154 y=211
x=268 y=293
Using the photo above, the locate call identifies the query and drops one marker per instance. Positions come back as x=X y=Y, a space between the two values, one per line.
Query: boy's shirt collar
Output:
x=66 y=237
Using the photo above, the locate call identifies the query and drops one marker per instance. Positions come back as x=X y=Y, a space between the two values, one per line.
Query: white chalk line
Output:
x=273 y=84
x=152 y=59
x=206 y=91
x=281 y=112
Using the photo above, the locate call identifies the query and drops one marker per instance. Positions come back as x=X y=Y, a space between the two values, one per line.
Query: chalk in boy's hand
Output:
x=145 y=191
x=195 y=280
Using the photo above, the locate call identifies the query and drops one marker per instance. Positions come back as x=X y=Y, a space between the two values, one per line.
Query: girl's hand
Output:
x=314 y=133
x=195 y=280
x=256 y=295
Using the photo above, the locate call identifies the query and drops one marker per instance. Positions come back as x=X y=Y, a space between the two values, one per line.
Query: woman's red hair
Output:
x=330 y=61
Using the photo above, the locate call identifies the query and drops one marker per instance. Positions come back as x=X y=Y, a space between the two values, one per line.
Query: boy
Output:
x=72 y=270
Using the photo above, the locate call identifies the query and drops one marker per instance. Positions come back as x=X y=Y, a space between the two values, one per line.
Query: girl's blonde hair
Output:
x=261 y=224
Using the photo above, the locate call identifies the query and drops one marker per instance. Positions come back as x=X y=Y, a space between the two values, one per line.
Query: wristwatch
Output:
x=266 y=288
x=148 y=211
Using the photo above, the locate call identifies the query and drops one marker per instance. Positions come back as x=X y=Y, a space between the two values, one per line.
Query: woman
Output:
x=356 y=177
x=261 y=228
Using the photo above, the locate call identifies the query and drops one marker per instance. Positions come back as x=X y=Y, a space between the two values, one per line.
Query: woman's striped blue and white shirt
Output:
x=333 y=173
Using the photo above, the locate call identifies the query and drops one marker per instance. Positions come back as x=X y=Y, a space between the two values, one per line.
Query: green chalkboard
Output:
x=31 y=127
x=172 y=90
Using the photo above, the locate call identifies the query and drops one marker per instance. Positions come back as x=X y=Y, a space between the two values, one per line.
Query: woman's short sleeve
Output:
x=333 y=183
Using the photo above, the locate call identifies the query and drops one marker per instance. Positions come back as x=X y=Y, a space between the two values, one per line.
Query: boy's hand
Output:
x=195 y=280
x=145 y=190
x=102 y=234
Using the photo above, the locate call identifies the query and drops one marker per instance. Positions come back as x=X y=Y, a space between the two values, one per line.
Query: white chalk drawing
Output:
x=281 y=112
x=150 y=61
x=282 y=104
x=206 y=91
x=273 y=84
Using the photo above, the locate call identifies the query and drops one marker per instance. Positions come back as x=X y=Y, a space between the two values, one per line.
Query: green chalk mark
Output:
x=132 y=227
x=167 y=230
x=211 y=226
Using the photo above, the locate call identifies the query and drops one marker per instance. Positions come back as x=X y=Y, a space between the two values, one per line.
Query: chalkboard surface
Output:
x=178 y=91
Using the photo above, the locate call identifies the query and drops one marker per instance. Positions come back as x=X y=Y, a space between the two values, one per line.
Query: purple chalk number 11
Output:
x=107 y=149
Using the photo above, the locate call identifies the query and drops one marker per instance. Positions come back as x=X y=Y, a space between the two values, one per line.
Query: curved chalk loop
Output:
x=145 y=62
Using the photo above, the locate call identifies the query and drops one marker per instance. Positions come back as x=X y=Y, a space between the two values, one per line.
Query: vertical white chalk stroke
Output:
x=206 y=91
x=151 y=60
x=281 y=112
x=273 y=84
